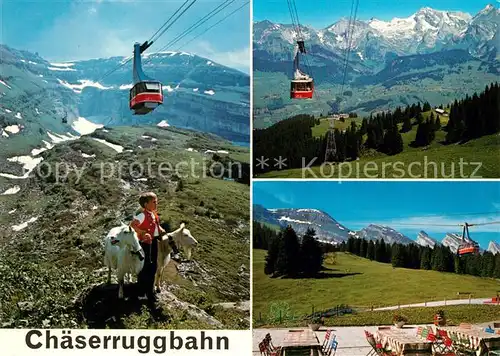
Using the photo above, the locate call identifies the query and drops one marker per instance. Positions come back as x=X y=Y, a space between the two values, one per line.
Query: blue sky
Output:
x=396 y=204
x=62 y=30
x=322 y=13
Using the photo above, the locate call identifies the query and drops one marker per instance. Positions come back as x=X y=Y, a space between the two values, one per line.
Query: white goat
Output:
x=123 y=253
x=182 y=238
x=164 y=250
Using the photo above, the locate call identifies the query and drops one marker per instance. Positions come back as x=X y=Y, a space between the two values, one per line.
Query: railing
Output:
x=281 y=313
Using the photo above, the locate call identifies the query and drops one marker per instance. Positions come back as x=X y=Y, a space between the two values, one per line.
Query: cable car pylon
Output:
x=146 y=94
x=331 y=145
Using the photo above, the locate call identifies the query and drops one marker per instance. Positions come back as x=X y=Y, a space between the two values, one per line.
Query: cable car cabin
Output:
x=145 y=97
x=468 y=249
x=302 y=89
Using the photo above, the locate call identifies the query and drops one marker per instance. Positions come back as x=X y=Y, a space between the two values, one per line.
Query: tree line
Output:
x=474 y=116
x=287 y=254
x=262 y=235
x=440 y=258
x=292 y=139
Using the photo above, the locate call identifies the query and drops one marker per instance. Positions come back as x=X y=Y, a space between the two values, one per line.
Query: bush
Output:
x=398 y=318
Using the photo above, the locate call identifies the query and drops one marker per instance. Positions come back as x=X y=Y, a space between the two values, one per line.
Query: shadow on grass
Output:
x=99 y=307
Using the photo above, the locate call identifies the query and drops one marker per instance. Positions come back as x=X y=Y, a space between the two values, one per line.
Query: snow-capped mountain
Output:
x=326 y=228
x=481 y=37
x=423 y=239
x=494 y=247
x=263 y=215
x=426 y=31
x=452 y=241
x=422 y=31
x=389 y=235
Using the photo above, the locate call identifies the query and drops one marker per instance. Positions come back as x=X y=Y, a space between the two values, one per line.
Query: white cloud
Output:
x=285 y=198
x=238 y=58
x=74 y=35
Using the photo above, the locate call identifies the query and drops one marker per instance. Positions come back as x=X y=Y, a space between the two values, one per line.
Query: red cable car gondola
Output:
x=468 y=246
x=146 y=94
x=302 y=86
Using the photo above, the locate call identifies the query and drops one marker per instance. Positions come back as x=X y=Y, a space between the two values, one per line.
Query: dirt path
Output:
x=439 y=303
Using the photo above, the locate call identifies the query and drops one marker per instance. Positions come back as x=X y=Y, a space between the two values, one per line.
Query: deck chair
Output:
x=419 y=331
x=269 y=340
x=327 y=338
x=262 y=349
x=425 y=333
x=372 y=342
x=431 y=337
x=377 y=348
x=271 y=350
x=461 y=346
x=332 y=348
x=465 y=326
x=443 y=345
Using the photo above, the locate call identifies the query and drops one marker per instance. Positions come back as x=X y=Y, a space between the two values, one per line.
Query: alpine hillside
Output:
x=56 y=215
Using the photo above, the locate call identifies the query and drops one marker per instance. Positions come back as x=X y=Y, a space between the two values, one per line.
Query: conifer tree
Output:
x=406 y=124
x=289 y=254
x=363 y=252
x=437 y=124
x=425 y=261
x=419 y=118
x=371 y=251
x=496 y=272
x=272 y=254
x=311 y=254
x=397 y=255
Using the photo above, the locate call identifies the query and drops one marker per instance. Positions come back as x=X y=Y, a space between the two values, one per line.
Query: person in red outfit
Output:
x=149 y=231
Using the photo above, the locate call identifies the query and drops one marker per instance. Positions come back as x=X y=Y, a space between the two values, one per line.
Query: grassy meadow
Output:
x=362 y=284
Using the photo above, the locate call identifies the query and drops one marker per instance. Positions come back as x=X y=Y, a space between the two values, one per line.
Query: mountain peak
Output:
x=423 y=239
x=494 y=247
x=427 y=9
x=488 y=7
x=389 y=235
